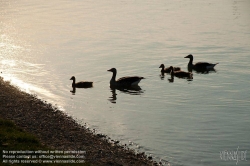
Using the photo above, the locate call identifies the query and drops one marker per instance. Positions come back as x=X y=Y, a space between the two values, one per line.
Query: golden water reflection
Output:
x=28 y=88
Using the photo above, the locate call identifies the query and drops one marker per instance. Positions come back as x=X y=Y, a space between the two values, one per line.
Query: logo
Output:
x=234 y=155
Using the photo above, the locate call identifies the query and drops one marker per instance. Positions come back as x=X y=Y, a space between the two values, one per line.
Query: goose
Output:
x=81 y=84
x=199 y=65
x=180 y=74
x=167 y=70
x=124 y=81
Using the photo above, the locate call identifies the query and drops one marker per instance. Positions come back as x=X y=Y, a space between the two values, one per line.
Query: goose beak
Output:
x=109 y=70
x=186 y=57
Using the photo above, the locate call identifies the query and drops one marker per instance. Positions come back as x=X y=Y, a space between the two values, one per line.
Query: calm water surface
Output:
x=184 y=122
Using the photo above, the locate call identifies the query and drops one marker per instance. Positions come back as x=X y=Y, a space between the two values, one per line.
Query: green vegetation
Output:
x=13 y=138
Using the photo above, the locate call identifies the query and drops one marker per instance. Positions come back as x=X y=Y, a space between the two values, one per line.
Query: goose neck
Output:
x=74 y=82
x=190 y=63
x=113 y=77
x=162 y=68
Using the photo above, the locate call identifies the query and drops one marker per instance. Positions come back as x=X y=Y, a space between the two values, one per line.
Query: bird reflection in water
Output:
x=132 y=90
x=202 y=71
x=73 y=91
x=171 y=79
x=162 y=75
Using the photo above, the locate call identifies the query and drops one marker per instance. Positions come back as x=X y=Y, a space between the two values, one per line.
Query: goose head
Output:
x=162 y=66
x=72 y=78
x=171 y=68
x=190 y=56
x=112 y=70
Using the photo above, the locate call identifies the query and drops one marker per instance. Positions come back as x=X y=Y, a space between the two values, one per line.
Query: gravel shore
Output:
x=60 y=132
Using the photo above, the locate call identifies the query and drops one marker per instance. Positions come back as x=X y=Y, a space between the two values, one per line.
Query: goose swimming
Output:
x=199 y=65
x=167 y=70
x=124 y=81
x=81 y=84
x=180 y=74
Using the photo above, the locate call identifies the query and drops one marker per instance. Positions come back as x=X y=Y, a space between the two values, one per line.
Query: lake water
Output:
x=185 y=122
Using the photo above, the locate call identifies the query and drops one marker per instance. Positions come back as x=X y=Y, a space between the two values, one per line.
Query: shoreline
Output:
x=57 y=130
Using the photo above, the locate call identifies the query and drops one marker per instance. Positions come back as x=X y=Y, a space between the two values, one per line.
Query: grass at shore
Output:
x=13 y=138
